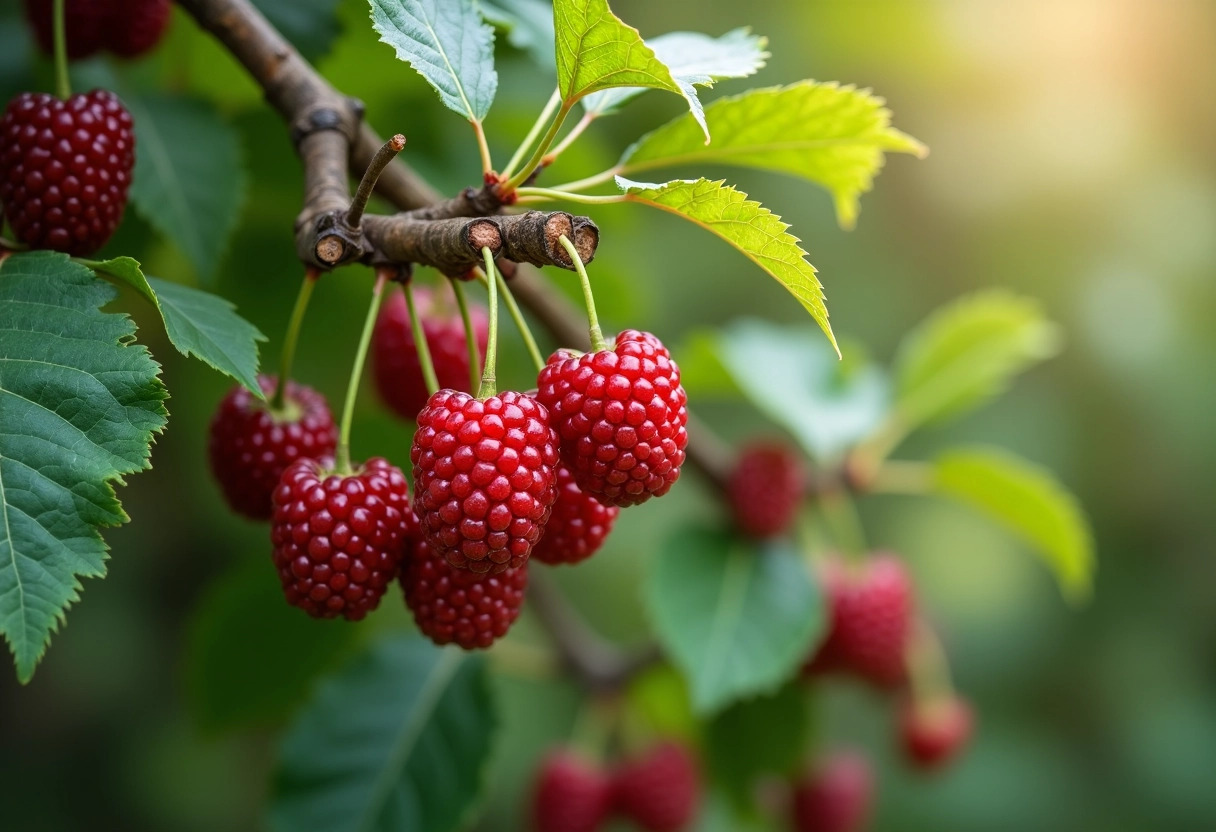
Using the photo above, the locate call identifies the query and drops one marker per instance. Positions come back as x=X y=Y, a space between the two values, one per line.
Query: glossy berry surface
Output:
x=578 y=524
x=339 y=540
x=835 y=796
x=871 y=619
x=570 y=795
x=621 y=415
x=395 y=363
x=65 y=167
x=127 y=28
x=659 y=791
x=484 y=477
x=457 y=606
x=765 y=488
x=934 y=733
x=249 y=447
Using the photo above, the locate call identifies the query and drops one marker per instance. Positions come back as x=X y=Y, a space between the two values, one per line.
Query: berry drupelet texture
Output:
x=578 y=524
x=765 y=488
x=934 y=733
x=250 y=446
x=456 y=606
x=395 y=362
x=659 y=791
x=835 y=796
x=871 y=620
x=65 y=167
x=570 y=795
x=484 y=477
x=621 y=416
x=339 y=540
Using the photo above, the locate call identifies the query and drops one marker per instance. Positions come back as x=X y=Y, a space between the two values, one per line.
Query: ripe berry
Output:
x=933 y=733
x=621 y=415
x=570 y=795
x=65 y=168
x=660 y=790
x=871 y=619
x=250 y=446
x=578 y=524
x=765 y=488
x=484 y=478
x=835 y=796
x=456 y=606
x=395 y=361
x=125 y=27
x=339 y=540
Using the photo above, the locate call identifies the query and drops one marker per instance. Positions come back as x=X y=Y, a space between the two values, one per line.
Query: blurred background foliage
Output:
x=1071 y=161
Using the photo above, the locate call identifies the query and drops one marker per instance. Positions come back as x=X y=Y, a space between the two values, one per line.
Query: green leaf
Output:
x=967 y=352
x=745 y=224
x=1029 y=501
x=737 y=617
x=832 y=135
x=763 y=736
x=596 y=51
x=693 y=58
x=827 y=405
x=448 y=44
x=198 y=323
x=310 y=25
x=189 y=175
x=253 y=659
x=399 y=740
x=79 y=405
x=528 y=23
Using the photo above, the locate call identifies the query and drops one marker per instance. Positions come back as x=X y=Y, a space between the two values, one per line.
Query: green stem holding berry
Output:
x=63 y=84
x=521 y=323
x=596 y=334
x=420 y=343
x=470 y=337
x=488 y=381
x=279 y=401
x=342 y=459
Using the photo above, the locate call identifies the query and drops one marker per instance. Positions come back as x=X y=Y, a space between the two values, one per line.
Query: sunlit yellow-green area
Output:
x=1071 y=160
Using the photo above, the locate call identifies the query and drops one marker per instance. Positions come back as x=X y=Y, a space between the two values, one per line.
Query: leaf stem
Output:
x=597 y=336
x=545 y=115
x=342 y=460
x=292 y=336
x=63 y=83
x=537 y=155
x=420 y=343
x=484 y=149
x=553 y=193
x=569 y=138
x=488 y=382
x=470 y=337
x=600 y=178
x=897 y=477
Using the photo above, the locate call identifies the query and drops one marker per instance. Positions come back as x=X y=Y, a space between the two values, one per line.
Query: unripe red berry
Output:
x=457 y=606
x=661 y=790
x=835 y=796
x=765 y=488
x=871 y=620
x=934 y=733
x=570 y=795
x=249 y=446
x=484 y=478
x=65 y=167
x=577 y=526
x=339 y=539
x=395 y=363
x=621 y=415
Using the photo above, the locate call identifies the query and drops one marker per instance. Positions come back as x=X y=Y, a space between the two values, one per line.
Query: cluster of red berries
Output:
x=496 y=480
x=658 y=791
x=127 y=28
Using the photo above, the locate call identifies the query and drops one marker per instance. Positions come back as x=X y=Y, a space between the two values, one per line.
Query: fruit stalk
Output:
x=470 y=337
x=521 y=323
x=342 y=461
x=292 y=337
x=63 y=84
x=593 y=330
x=420 y=343
x=488 y=381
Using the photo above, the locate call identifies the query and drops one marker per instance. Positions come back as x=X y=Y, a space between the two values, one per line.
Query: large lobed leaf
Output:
x=748 y=226
x=596 y=50
x=398 y=740
x=1029 y=501
x=736 y=617
x=79 y=405
x=967 y=352
x=198 y=323
x=189 y=175
x=693 y=58
x=448 y=44
x=832 y=135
